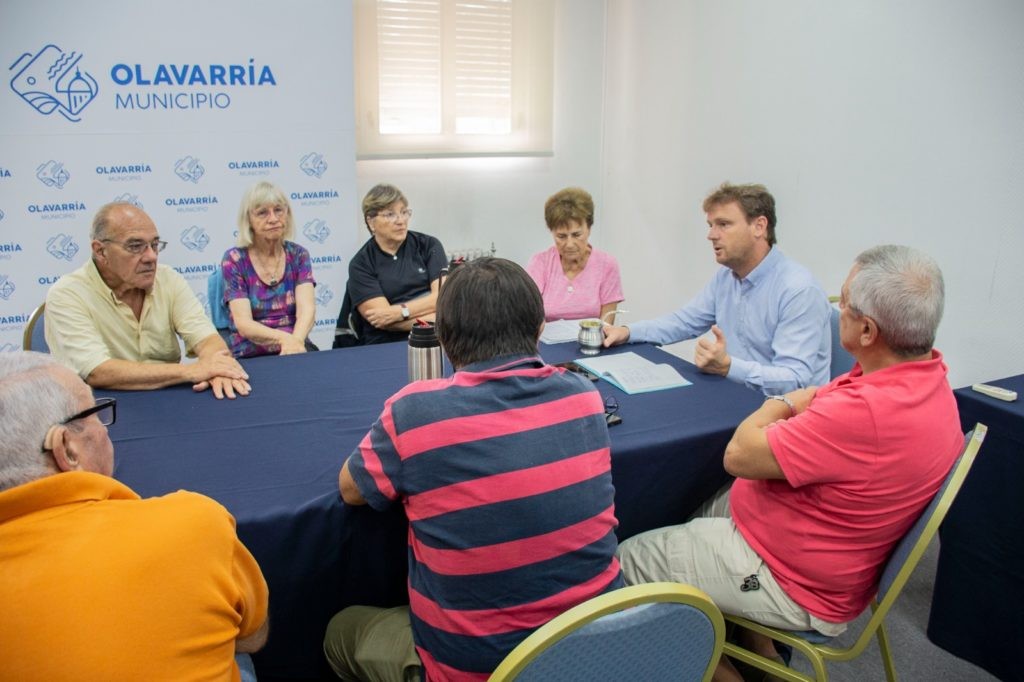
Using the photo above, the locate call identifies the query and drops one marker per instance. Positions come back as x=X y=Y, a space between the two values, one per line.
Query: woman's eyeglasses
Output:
x=391 y=216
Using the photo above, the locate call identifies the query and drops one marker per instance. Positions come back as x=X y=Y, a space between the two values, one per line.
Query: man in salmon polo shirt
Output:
x=95 y=583
x=827 y=479
x=504 y=471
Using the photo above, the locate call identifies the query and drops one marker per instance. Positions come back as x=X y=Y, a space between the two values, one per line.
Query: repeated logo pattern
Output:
x=6 y=288
x=189 y=169
x=62 y=246
x=313 y=164
x=53 y=174
x=316 y=230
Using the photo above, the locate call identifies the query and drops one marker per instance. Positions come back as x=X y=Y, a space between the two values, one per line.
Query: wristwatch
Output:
x=783 y=399
x=405 y=312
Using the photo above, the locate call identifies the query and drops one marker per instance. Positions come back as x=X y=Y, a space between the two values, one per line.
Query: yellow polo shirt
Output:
x=86 y=325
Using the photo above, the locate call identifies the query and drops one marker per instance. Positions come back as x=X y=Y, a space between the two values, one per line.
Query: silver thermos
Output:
x=425 y=358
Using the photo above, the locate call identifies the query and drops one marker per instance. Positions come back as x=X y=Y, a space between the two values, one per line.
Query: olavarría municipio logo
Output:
x=53 y=81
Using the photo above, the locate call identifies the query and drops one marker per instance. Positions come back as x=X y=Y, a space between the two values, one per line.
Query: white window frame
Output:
x=531 y=91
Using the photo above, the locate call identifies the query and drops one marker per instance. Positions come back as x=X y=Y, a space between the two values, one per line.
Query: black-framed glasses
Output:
x=137 y=246
x=105 y=410
x=611 y=407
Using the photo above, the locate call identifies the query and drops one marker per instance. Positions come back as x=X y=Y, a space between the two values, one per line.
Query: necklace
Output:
x=269 y=275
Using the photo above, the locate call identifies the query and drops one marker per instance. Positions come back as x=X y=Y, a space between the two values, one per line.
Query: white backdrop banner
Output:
x=178 y=108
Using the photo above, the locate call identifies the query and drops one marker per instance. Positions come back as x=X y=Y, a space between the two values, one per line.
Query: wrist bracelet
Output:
x=783 y=399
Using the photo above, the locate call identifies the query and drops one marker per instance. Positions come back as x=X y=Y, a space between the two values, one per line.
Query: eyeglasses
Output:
x=391 y=216
x=611 y=406
x=137 y=246
x=264 y=212
x=105 y=410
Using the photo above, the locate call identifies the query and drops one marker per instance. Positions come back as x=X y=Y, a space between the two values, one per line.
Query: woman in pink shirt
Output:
x=576 y=280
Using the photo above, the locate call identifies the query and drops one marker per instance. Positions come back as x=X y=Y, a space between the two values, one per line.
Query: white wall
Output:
x=871 y=122
x=470 y=203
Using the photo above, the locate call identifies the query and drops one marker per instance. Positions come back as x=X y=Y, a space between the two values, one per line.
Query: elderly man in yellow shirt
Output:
x=116 y=319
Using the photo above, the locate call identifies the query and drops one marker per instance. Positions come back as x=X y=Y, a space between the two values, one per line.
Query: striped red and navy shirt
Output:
x=505 y=473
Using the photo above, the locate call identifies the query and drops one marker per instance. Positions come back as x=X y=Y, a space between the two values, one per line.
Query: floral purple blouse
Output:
x=271 y=306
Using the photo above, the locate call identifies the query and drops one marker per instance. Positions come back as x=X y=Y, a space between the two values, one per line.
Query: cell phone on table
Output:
x=578 y=369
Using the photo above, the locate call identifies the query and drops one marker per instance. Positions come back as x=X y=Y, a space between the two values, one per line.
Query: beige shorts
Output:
x=710 y=553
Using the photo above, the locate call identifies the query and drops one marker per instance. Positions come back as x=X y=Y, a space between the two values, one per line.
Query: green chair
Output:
x=657 y=631
x=901 y=564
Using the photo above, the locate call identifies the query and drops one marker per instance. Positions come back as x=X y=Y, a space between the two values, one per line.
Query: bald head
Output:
x=125 y=247
x=106 y=220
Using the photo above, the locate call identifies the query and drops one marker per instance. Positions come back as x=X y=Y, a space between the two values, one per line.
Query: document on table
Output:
x=634 y=374
x=560 y=331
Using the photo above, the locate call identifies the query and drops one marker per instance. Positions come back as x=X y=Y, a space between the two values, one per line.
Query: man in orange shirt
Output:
x=96 y=582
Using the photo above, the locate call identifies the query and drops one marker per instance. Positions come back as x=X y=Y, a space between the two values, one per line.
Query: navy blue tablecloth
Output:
x=978 y=603
x=273 y=460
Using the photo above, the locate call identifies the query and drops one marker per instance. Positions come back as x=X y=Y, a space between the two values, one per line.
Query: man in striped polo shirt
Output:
x=504 y=472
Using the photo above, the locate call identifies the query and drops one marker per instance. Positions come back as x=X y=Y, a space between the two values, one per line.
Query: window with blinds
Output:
x=453 y=77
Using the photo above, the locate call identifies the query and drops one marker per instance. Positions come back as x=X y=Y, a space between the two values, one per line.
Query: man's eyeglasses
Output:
x=105 y=410
x=391 y=216
x=137 y=246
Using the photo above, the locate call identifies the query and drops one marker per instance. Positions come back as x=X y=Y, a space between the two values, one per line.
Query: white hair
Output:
x=32 y=398
x=262 y=194
x=901 y=289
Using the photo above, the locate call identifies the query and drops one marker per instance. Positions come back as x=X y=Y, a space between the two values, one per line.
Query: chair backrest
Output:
x=215 y=296
x=34 y=337
x=909 y=550
x=842 y=361
x=927 y=525
x=644 y=632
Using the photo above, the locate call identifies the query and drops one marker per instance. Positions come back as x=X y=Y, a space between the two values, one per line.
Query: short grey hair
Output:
x=902 y=290
x=32 y=398
x=378 y=199
x=101 y=221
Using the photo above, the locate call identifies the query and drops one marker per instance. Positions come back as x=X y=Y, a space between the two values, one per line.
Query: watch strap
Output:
x=783 y=399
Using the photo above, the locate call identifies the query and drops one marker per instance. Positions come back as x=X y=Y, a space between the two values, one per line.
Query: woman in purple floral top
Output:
x=268 y=281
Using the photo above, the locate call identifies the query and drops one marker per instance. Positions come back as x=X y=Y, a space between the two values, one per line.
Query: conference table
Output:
x=978 y=604
x=272 y=459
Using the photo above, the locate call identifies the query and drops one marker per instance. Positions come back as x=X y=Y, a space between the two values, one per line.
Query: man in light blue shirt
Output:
x=768 y=315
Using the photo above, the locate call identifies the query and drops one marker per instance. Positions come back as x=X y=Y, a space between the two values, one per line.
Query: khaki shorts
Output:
x=369 y=644
x=710 y=553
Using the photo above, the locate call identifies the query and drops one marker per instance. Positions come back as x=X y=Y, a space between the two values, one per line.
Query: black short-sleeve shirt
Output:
x=400 y=278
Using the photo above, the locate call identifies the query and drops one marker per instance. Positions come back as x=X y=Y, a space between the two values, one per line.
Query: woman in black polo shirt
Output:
x=393 y=279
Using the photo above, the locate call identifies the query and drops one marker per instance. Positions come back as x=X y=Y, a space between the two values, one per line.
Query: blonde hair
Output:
x=262 y=194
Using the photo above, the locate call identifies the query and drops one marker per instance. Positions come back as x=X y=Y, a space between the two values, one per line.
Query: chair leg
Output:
x=779 y=670
x=883 y=646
